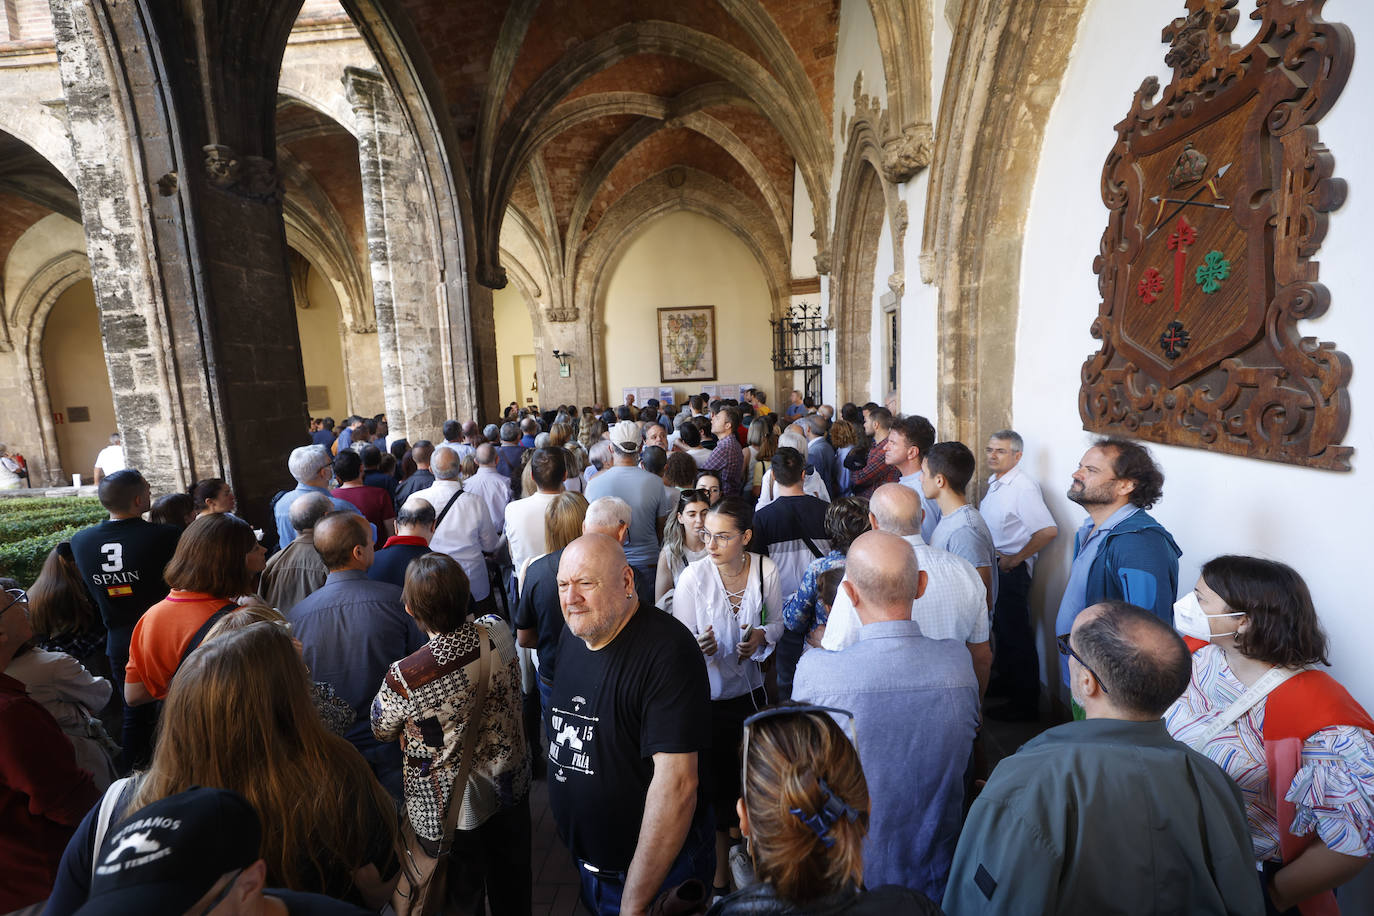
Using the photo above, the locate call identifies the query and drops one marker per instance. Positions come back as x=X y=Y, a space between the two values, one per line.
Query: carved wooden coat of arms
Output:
x=1218 y=196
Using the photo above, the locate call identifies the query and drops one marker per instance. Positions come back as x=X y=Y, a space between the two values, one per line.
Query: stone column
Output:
x=413 y=328
x=182 y=208
x=164 y=410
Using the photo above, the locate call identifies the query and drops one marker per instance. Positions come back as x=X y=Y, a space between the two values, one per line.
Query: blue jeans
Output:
x=601 y=890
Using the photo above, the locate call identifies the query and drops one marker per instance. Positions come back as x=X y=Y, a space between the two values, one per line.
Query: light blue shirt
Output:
x=915 y=706
x=282 y=514
x=965 y=534
x=1086 y=543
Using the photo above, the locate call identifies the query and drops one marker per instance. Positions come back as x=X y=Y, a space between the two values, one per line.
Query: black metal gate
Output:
x=798 y=339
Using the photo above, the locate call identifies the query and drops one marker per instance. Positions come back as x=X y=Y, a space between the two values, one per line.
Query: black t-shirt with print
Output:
x=610 y=712
x=121 y=561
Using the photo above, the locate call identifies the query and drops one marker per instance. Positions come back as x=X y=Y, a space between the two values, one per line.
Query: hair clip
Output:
x=832 y=809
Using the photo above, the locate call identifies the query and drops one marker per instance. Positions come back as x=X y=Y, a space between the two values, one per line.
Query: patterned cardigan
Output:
x=426 y=700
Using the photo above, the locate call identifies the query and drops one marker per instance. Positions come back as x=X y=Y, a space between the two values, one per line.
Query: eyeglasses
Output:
x=15 y=596
x=1065 y=649
x=708 y=538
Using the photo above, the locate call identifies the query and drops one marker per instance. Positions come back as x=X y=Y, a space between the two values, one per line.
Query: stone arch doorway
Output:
x=319 y=322
x=72 y=377
x=852 y=296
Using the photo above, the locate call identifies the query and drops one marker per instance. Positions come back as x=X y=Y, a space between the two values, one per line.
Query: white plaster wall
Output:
x=684 y=259
x=1314 y=520
x=803 y=227
x=858 y=51
x=514 y=338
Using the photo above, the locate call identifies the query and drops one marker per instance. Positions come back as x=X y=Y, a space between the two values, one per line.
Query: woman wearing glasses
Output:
x=804 y=809
x=731 y=601
x=682 y=544
x=1291 y=737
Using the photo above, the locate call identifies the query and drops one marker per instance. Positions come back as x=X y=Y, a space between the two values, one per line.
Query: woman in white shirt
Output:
x=682 y=544
x=731 y=601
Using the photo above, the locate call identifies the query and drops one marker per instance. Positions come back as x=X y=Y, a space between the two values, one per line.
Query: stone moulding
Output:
x=1203 y=284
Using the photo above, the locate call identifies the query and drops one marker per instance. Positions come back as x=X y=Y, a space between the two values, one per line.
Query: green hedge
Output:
x=31 y=527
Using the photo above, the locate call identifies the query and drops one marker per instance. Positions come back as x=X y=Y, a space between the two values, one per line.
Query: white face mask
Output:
x=1191 y=620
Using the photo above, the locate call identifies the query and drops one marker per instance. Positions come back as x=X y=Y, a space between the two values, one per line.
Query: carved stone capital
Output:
x=251 y=176
x=563 y=314
x=897 y=283
x=907 y=153
x=492 y=276
x=823 y=263
x=365 y=327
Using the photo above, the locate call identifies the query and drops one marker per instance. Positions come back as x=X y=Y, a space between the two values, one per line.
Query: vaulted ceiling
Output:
x=564 y=107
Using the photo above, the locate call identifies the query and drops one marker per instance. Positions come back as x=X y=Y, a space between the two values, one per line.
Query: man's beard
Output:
x=1085 y=497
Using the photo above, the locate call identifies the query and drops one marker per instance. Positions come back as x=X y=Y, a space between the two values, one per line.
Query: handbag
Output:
x=422 y=887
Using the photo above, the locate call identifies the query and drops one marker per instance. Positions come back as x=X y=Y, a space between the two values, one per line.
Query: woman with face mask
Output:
x=1295 y=742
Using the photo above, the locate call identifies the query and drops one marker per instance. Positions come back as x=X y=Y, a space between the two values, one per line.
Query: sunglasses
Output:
x=690 y=496
x=799 y=709
x=1066 y=649
x=15 y=596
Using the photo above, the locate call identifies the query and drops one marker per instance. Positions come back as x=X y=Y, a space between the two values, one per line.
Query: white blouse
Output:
x=699 y=601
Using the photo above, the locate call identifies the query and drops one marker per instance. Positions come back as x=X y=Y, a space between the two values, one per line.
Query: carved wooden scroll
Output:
x=1218 y=196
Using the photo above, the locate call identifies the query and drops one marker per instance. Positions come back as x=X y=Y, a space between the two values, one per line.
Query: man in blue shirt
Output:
x=351 y=630
x=1120 y=553
x=313 y=468
x=915 y=706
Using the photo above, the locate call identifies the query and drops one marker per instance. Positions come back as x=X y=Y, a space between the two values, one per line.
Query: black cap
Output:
x=169 y=854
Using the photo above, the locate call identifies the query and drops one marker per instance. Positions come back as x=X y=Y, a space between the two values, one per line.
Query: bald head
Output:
x=882 y=577
x=343 y=540
x=1140 y=660
x=896 y=509
x=596 y=589
x=485 y=455
x=445 y=464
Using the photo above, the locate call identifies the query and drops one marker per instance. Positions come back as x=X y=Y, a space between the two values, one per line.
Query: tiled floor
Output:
x=555 y=876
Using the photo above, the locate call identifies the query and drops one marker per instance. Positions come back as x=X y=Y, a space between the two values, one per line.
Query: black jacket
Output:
x=889 y=900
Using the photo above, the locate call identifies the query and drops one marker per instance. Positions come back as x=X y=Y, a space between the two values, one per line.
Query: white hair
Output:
x=305 y=462
x=606 y=514
x=793 y=439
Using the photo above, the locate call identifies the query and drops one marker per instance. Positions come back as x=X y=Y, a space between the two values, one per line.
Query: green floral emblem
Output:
x=1213 y=269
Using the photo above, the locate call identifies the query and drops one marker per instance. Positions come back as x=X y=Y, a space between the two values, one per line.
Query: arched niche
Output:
x=852 y=282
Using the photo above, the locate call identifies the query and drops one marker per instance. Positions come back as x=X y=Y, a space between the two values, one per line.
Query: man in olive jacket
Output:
x=1109 y=812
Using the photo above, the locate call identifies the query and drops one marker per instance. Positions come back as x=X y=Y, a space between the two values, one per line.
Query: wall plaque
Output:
x=1218 y=197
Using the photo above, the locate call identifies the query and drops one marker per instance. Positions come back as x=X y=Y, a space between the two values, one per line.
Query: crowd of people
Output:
x=751 y=652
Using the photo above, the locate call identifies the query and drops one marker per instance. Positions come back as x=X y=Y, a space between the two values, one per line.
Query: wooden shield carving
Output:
x=1218 y=195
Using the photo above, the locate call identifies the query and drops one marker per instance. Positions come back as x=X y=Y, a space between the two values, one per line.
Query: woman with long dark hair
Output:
x=239 y=716
x=732 y=602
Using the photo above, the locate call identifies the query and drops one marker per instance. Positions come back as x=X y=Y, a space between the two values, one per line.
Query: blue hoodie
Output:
x=1137 y=562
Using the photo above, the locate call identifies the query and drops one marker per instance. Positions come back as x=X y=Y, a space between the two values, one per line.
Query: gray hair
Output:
x=509 y=432
x=415 y=513
x=541 y=440
x=1012 y=436
x=305 y=462
x=606 y=514
x=793 y=439
x=445 y=465
x=897 y=509
x=817 y=424
x=485 y=455
x=600 y=454
x=307 y=509
x=490 y=432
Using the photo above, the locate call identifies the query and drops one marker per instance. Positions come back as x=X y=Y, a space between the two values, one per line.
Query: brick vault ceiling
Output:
x=581 y=101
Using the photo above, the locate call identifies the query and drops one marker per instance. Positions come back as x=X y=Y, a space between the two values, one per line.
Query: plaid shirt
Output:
x=727 y=459
x=875 y=473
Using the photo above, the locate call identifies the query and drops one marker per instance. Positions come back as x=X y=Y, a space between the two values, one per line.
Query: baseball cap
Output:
x=626 y=436
x=166 y=856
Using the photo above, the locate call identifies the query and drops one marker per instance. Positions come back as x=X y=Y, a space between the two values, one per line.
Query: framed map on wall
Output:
x=687 y=343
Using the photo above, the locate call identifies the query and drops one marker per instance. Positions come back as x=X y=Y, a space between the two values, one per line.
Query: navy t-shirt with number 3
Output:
x=121 y=561
x=611 y=710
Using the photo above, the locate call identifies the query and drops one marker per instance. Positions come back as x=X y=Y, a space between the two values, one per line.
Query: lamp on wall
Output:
x=562 y=356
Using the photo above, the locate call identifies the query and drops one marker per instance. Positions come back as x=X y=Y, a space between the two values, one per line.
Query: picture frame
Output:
x=687 y=343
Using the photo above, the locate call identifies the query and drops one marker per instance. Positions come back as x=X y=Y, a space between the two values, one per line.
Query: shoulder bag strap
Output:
x=1244 y=703
x=447 y=506
x=470 y=730
x=199 y=636
x=113 y=795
